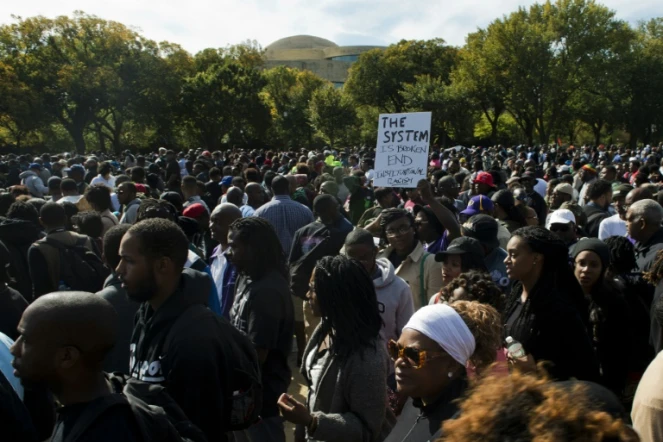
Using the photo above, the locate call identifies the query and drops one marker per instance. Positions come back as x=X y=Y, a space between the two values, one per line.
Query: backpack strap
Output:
x=422 y=288
x=91 y=414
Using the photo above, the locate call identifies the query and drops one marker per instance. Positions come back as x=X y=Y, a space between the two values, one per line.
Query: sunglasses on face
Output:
x=559 y=228
x=414 y=357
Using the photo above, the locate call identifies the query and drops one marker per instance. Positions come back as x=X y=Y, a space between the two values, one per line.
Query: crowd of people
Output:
x=514 y=294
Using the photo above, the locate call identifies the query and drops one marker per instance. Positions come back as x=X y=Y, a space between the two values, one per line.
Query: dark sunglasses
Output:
x=560 y=228
x=414 y=357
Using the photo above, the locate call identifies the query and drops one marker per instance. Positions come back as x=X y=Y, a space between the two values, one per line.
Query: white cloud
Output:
x=197 y=24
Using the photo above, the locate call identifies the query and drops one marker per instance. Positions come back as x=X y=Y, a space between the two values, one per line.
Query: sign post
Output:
x=401 y=157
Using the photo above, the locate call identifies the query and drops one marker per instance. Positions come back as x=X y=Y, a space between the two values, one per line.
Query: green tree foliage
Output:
x=332 y=114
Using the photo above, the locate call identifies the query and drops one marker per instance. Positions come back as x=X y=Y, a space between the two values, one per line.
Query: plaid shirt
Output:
x=286 y=216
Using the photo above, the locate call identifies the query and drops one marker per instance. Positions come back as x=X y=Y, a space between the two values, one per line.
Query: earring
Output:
x=451 y=374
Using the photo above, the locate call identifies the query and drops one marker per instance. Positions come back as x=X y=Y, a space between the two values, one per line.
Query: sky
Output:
x=199 y=24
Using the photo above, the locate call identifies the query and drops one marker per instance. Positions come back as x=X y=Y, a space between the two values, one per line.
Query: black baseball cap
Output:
x=461 y=246
x=483 y=228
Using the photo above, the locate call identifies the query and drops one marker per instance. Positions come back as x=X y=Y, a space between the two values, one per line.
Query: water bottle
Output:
x=514 y=348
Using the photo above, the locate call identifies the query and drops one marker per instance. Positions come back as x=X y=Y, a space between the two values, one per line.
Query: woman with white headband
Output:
x=430 y=358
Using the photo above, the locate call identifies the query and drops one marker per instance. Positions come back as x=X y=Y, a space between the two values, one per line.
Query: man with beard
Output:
x=599 y=197
x=176 y=341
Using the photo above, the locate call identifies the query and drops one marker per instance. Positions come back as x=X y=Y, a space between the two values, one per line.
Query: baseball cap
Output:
x=35 y=166
x=622 y=190
x=564 y=188
x=478 y=204
x=77 y=168
x=194 y=210
x=527 y=176
x=589 y=168
x=484 y=178
x=461 y=246
x=227 y=181
x=483 y=228
x=562 y=216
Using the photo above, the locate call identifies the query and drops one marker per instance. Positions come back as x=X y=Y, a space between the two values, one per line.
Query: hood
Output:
x=194 y=289
x=26 y=174
x=387 y=273
x=17 y=231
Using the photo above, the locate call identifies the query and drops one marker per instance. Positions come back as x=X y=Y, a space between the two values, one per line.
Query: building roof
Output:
x=301 y=42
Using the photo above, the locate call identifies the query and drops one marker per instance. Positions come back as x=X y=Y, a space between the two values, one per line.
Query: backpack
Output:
x=243 y=386
x=80 y=268
x=157 y=415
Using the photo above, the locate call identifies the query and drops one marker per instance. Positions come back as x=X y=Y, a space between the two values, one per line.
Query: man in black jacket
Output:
x=188 y=356
x=599 y=194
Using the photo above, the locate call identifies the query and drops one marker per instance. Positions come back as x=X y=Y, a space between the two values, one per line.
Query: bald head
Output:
x=227 y=209
x=638 y=194
x=69 y=333
x=222 y=217
x=235 y=195
x=254 y=194
x=643 y=219
x=329 y=188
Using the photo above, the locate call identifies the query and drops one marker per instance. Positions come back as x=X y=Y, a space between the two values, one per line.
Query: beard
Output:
x=145 y=290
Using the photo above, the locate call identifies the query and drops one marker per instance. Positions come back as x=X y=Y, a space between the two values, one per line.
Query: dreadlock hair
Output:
x=259 y=235
x=478 y=286
x=348 y=304
x=556 y=279
x=655 y=273
x=390 y=215
x=622 y=255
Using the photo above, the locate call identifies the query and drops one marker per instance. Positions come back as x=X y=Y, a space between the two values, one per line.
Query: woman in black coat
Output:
x=546 y=311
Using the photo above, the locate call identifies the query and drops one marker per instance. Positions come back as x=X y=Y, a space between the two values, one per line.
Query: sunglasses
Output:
x=414 y=357
x=560 y=227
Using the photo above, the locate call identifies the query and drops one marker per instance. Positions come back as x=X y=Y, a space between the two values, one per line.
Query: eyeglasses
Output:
x=414 y=357
x=401 y=231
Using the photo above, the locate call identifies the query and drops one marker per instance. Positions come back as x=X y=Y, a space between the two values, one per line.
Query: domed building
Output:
x=318 y=55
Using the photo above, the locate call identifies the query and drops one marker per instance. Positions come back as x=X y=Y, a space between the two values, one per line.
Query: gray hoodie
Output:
x=394 y=299
x=34 y=183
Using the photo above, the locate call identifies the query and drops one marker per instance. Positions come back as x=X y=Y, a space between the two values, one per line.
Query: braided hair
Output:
x=556 y=279
x=622 y=255
x=348 y=304
x=259 y=235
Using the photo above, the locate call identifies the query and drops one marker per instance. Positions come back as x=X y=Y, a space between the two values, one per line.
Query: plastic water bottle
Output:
x=514 y=348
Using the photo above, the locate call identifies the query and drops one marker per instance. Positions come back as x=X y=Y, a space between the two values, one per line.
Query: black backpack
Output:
x=157 y=415
x=243 y=386
x=80 y=268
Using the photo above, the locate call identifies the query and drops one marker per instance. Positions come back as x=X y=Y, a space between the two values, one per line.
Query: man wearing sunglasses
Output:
x=562 y=222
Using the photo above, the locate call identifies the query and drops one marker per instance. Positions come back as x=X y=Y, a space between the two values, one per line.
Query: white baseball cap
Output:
x=561 y=216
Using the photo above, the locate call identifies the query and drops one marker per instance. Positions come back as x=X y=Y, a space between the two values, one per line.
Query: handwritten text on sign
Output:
x=401 y=158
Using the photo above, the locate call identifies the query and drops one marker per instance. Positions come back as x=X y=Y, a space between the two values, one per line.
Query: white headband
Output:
x=444 y=325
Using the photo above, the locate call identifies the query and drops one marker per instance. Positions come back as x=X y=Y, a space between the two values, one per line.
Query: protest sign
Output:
x=401 y=157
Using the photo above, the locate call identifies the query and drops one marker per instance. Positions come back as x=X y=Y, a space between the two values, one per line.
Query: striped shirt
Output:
x=286 y=216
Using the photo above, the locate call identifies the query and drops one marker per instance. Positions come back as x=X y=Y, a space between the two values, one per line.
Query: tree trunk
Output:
x=79 y=140
x=596 y=128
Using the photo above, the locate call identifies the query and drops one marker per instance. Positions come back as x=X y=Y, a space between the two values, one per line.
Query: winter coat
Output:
x=394 y=299
x=33 y=182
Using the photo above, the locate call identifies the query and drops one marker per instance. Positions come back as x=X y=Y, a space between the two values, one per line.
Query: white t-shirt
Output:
x=613 y=226
x=99 y=179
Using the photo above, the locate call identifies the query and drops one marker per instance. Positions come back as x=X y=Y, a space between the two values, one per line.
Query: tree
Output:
x=70 y=62
x=223 y=97
x=332 y=114
x=288 y=92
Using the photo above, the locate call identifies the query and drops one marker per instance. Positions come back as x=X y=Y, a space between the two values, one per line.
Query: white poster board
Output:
x=401 y=157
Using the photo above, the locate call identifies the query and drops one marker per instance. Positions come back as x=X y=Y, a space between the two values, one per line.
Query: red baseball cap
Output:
x=194 y=211
x=484 y=178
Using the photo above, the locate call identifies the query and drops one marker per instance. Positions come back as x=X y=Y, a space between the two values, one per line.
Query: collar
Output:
x=281 y=197
x=414 y=255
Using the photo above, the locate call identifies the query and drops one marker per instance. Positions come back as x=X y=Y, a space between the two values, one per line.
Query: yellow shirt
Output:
x=410 y=271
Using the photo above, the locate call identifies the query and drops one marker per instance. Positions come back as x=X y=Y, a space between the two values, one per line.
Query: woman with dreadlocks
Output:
x=546 y=310
x=345 y=363
x=622 y=272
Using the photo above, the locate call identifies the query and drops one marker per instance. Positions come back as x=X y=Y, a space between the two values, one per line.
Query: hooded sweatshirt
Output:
x=394 y=299
x=198 y=357
x=33 y=182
